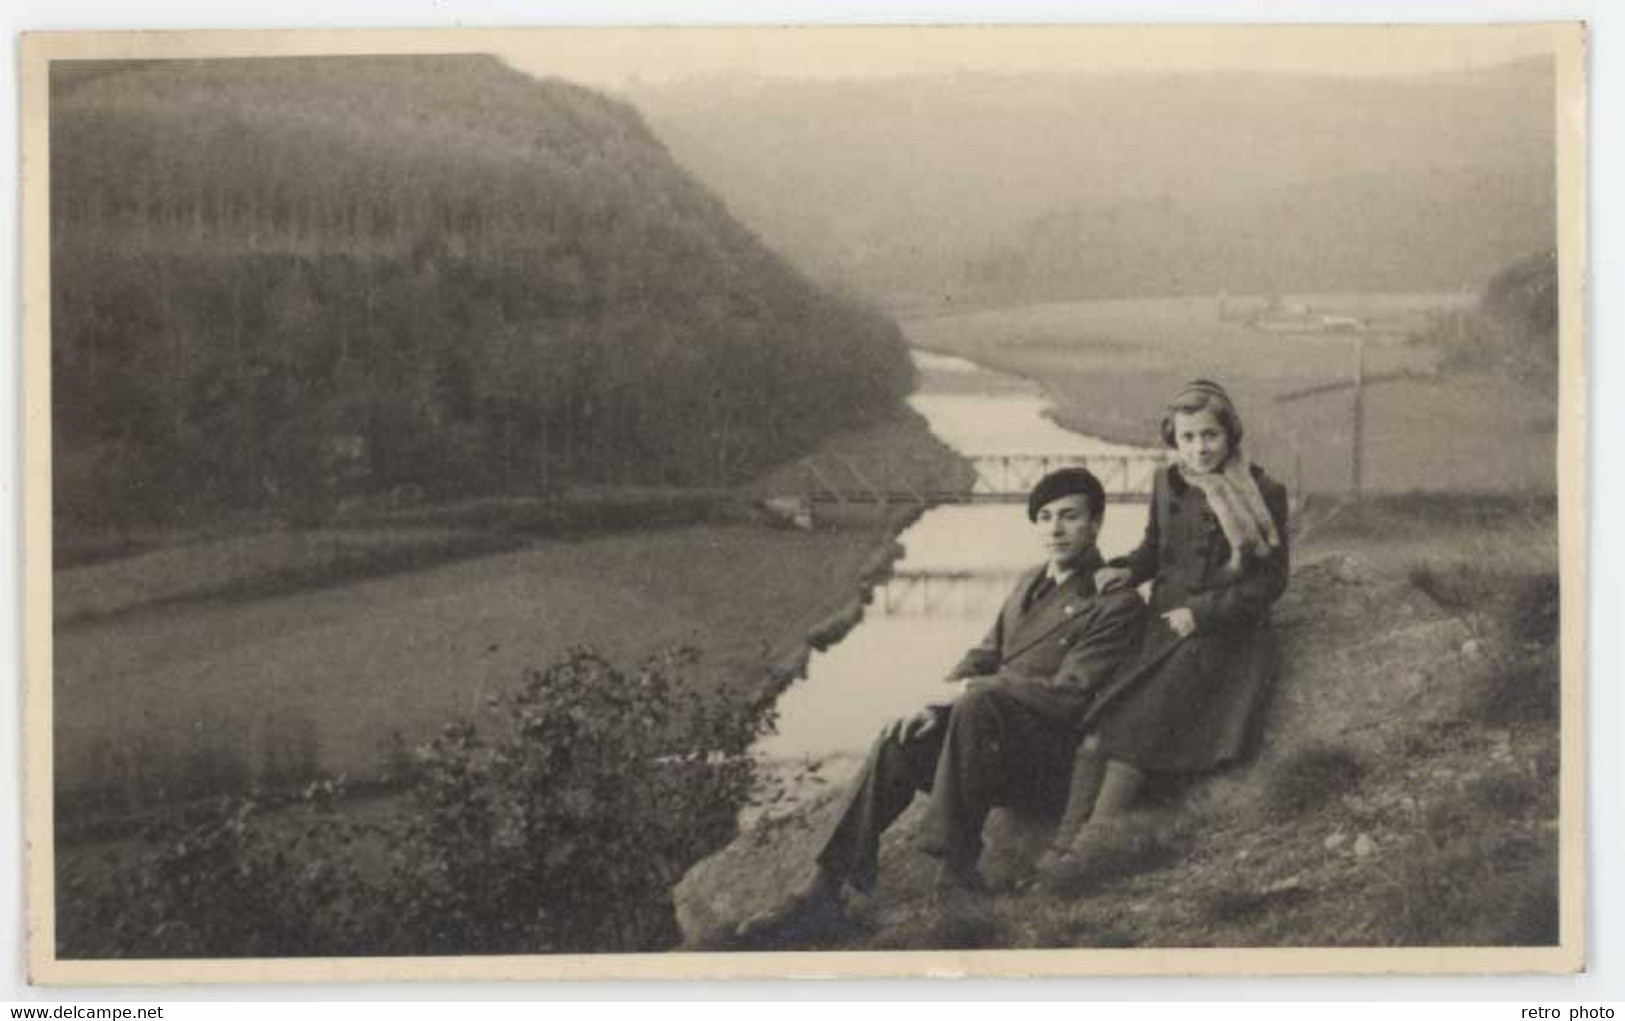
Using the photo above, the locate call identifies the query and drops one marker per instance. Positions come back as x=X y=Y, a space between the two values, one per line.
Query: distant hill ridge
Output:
x=1014 y=187
x=292 y=279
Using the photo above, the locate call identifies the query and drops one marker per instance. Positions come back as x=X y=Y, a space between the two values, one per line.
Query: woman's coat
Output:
x=1195 y=703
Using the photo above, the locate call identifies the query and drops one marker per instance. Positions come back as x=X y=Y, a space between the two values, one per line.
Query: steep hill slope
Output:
x=279 y=281
x=1406 y=792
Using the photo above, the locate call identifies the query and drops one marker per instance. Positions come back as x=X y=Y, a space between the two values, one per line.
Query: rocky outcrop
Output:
x=776 y=856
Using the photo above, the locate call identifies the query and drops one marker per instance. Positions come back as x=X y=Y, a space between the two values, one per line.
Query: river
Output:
x=320 y=677
x=958 y=564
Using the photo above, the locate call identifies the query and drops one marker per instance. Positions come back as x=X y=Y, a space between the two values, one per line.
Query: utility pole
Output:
x=1295 y=500
x=1358 y=445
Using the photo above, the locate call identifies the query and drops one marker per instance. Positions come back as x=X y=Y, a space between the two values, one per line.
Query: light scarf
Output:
x=1233 y=494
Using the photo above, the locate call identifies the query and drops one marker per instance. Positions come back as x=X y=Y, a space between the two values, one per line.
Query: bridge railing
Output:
x=944 y=593
x=1125 y=477
x=999 y=478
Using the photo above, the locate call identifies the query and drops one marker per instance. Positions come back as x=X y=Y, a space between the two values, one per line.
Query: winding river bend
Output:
x=958 y=565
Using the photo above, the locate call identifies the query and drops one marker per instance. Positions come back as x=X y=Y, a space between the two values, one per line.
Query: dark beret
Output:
x=1066 y=482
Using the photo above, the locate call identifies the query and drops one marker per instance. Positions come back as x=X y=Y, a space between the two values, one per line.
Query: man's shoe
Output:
x=811 y=911
x=1047 y=865
x=1072 y=871
x=1053 y=858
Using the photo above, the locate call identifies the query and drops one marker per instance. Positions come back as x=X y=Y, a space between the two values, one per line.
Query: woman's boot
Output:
x=1118 y=789
x=1088 y=770
x=1067 y=868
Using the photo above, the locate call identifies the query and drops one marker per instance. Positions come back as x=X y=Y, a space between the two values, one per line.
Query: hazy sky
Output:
x=616 y=56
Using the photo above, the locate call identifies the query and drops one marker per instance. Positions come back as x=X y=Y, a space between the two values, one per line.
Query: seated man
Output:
x=1010 y=737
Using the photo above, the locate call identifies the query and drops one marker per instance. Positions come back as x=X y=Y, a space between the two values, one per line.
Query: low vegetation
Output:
x=1461 y=882
x=1512 y=614
x=555 y=822
x=1309 y=778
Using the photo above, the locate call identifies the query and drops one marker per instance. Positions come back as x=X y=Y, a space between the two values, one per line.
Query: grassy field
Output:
x=159 y=704
x=1110 y=365
x=283 y=655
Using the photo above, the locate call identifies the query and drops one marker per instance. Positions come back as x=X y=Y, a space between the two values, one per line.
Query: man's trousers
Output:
x=988 y=749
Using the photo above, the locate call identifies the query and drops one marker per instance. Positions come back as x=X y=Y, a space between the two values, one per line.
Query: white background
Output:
x=1606 y=978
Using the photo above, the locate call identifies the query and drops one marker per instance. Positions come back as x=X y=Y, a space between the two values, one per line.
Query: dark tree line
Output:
x=1315 y=236
x=278 y=279
x=1512 y=329
x=1523 y=297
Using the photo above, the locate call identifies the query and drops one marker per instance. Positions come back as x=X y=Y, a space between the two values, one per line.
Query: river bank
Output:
x=219 y=670
x=268 y=696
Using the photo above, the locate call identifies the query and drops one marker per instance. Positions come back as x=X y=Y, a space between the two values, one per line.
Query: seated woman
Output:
x=1215 y=551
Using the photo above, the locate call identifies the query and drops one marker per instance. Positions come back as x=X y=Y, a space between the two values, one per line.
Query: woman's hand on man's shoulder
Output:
x=1110 y=579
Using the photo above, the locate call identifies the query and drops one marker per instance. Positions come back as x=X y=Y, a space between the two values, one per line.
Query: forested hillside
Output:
x=1010 y=188
x=278 y=281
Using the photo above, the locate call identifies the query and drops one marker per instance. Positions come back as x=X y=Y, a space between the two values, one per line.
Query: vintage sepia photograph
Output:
x=1042 y=500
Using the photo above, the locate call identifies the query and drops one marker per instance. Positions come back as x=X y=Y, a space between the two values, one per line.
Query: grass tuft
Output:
x=1308 y=778
x=1458 y=887
x=1056 y=930
x=1454 y=586
x=1507 y=795
x=1514 y=617
x=1230 y=907
x=952 y=922
x=969 y=924
x=1519 y=687
x=1531 y=616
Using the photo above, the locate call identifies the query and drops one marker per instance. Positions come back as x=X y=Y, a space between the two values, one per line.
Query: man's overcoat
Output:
x=1058 y=654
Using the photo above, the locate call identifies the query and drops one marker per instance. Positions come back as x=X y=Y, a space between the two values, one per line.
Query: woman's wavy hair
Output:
x=1195 y=396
